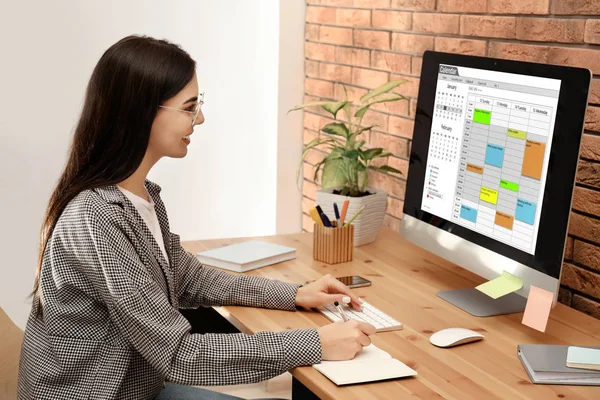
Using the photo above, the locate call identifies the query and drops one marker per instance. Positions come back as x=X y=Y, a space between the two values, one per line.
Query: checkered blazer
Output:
x=111 y=327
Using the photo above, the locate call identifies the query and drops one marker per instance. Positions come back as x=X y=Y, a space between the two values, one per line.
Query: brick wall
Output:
x=364 y=43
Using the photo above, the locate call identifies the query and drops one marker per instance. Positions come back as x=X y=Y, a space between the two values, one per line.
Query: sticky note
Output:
x=501 y=286
x=538 y=308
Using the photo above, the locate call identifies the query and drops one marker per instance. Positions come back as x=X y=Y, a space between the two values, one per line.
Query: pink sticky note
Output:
x=538 y=308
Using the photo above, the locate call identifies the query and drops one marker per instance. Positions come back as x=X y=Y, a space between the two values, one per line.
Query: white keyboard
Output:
x=370 y=314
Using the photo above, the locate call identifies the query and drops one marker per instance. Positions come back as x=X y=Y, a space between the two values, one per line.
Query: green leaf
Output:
x=363 y=180
x=334 y=174
x=387 y=98
x=360 y=144
x=368 y=128
x=310 y=104
x=383 y=155
x=385 y=168
x=333 y=108
x=372 y=153
x=337 y=129
x=351 y=154
x=386 y=87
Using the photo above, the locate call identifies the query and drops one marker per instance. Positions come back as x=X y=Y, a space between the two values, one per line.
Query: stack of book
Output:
x=561 y=365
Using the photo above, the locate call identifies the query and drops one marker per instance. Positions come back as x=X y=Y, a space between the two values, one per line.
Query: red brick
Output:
x=586 y=200
x=590 y=307
x=353 y=18
x=416 y=64
x=592 y=119
x=334 y=72
x=318 y=88
x=358 y=57
x=394 y=144
x=399 y=107
x=312 y=2
x=394 y=186
x=410 y=88
x=330 y=34
x=312 y=32
x=390 y=61
x=590 y=147
x=376 y=119
x=309 y=189
x=315 y=122
x=588 y=173
x=551 y=30
x=466 y=6
x=519 y=6
x=307 y=204
x=395 y=207
x=521 y=52
x=569 y=248
x=574 y=7
x=320 y=15
x=318 y=51
x=372 y=39
x=311 y=68
x=308 y=172
x=395 y=20
x=581 y=280
x=587 y=254
x=587 y=58
x=401 y=126
x=585 y=228
x=399 y=163
x=435 y=23
x=308 y=136
x=461 y=46
x=391 y=222
x=313 y=157
x=592 y=31
x=414 y=4
x=484 y=26
x=413 y=108
x=369 y=78
x=372 y=3
x=408 y=43
x=565 y=296
x=595 y=92
x=307 y=223
x=341 y=3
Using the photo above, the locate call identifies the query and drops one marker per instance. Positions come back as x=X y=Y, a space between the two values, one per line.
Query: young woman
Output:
x=111 y=277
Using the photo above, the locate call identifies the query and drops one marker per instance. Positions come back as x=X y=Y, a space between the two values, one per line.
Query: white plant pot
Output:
x=369 y=222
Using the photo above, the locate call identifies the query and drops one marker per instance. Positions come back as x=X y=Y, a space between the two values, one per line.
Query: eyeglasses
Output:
x=196 y=110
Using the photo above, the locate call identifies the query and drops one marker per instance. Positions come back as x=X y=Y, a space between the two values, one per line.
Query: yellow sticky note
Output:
x=538 y=308
x=501 y=286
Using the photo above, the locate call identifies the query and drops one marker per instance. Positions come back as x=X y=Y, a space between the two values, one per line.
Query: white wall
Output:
x=236 y=178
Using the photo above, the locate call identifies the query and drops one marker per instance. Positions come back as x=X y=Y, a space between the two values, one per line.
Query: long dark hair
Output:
x=132 y=78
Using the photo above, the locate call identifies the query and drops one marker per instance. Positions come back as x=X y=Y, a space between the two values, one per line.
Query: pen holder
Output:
x=333 y=245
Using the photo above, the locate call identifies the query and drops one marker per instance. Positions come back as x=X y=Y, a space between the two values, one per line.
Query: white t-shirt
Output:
x=148 y=214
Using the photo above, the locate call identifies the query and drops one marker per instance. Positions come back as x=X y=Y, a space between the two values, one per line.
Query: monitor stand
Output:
x=481 y=305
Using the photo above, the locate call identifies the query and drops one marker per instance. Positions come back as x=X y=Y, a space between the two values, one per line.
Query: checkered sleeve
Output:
x=141 y=311
x=200 y=285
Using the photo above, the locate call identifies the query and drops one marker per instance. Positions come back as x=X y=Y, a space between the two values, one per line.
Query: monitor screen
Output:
x=494 y=154
x=487 y=162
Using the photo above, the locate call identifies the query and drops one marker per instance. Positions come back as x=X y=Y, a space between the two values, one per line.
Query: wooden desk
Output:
x=405 y=279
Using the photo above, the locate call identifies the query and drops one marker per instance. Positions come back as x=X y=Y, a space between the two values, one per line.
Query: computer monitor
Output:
x=492 y=170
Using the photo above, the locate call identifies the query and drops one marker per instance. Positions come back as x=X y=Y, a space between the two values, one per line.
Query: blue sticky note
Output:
x=468 y=213
x=525 y=211
x=494 y=155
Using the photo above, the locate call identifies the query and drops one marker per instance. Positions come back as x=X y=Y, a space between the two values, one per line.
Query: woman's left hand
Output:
x=323 y=291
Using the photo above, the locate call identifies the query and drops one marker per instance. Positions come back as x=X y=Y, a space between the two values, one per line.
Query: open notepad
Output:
x=371 y=364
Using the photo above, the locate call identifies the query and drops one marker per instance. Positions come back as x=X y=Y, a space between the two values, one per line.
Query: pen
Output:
x=355 y=215
x=320 y=211
x=337 y=214
x=326 y=221
x=344 y=211
x=341 y=311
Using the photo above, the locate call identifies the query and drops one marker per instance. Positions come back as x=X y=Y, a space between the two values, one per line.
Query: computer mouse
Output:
x=454 y=336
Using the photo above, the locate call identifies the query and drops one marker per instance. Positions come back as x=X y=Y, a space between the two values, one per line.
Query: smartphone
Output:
x=354 y=281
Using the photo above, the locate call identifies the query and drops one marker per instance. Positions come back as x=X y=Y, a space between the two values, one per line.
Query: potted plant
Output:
x=345 y=168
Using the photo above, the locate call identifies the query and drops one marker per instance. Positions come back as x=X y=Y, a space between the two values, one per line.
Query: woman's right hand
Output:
x=343 y=340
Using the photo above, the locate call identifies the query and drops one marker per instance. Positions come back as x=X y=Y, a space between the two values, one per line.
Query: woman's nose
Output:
x=200 y=118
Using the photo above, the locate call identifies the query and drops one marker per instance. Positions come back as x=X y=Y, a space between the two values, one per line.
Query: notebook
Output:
x=370 y=365
x=246 y=256
x=547 y=364
x=583 y=357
